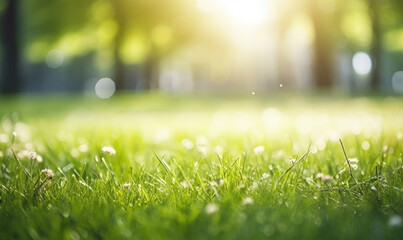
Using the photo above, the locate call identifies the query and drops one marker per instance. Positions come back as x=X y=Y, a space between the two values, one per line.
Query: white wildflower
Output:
x=126 y=185
x=292 y=161
x=221 y=182
x=342 y=170
x=253 y=186
x=109 y=150
x=32 y=155
x=395 y=221
x=265 y=175
x=47 y=173
x=323 y=177
x=211 y=208
x=353 y=160
x=213 y=184
x=258 y=150
x=185 y=184
x=247 y=201
x=373 y=188
x=354 y=166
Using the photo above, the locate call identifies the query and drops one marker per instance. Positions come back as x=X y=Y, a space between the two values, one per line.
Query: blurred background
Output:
x=95 y=47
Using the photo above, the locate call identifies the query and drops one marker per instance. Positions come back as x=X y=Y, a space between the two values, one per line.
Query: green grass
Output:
x=187 y=167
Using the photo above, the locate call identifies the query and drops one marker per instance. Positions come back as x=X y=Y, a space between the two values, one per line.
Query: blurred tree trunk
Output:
x=119 y=38
x=11 y=79
x=284 y=67
x=376 y=47
x=151 y=72
x=322 y=59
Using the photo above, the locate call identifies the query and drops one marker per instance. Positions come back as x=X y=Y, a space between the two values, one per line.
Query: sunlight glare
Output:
x=245 y=12
x=248 y=13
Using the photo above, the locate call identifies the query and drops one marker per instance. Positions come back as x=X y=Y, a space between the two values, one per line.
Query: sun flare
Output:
x=244 y=13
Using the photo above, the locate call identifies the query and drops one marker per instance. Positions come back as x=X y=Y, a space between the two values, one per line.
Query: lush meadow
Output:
x=157 y=166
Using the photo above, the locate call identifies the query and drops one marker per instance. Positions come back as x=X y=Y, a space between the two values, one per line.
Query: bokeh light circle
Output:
x=54 y=58
x=105 y=88
x=362 y=63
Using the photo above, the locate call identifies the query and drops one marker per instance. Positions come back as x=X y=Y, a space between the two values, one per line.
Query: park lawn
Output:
x=201 y=167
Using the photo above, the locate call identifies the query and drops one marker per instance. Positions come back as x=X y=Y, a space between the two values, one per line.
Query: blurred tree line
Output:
x=128 y=40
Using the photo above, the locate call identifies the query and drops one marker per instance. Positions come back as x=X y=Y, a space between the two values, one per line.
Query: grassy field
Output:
x=156 y=166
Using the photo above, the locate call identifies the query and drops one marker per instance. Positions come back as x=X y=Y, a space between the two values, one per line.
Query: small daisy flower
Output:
x=353 y=160
x=32 y=155
x=213 y=184
x=354 y=166
x=109 y=150
x=47 y=173
x=323 y=177
x=265 y=175
x=185 y=184
x=126 y=185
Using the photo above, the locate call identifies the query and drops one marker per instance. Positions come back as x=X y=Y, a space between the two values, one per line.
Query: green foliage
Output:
x=187 y=168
